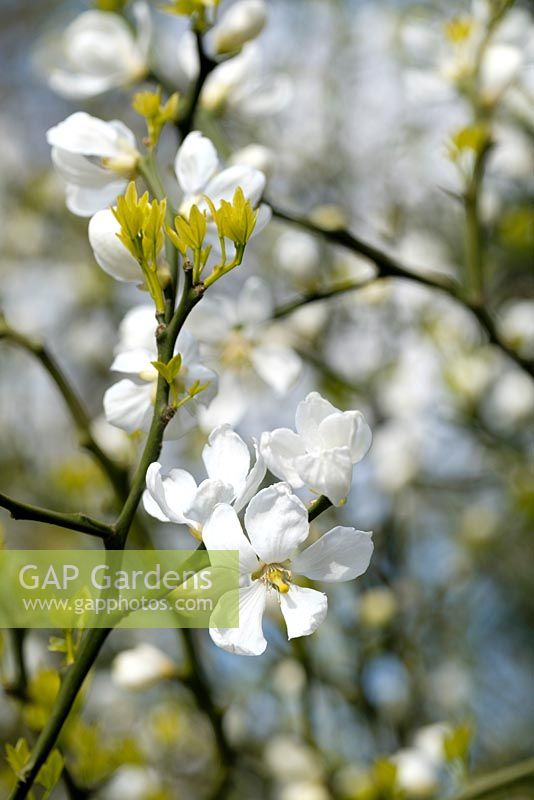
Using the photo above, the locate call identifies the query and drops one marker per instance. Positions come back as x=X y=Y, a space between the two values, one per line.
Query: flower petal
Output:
x=81 y=133
x=223 y=185
x=195 y=163
x=209 y=494
x=310 y=413
x=172 y=494
x=279 y=367
x=226 y=457
x=303 y=610
x=255 y=302
x=328 y=472
x=110 y=254
x=84 y=202
x=276 y=522
x=342 y=554
x=134 y=362
x=223 y=531
x=279 y=449
x=347 y=429
x=252 y=482
x=248 y=639
x=128 y=405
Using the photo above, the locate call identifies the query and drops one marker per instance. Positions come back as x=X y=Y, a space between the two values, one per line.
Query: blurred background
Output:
x=357 y=103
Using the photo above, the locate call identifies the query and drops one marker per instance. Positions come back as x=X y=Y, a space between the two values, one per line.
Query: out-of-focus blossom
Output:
x=129 y=403
x=135 y=783
x=299 y=256
x=95 y=158
x=416 y=774
x=98 y=52
x=255 y=155
x=109 y=252
x=377 y=607
x=112 y=440
x=321 y=454
x=242 y=22
x=289 y=759
x=395 y=455
x=304 y=790
x=430 y=740
x=500 y=66
x=277 y=522
x=141 y=667
x=231 y=479
x=289 y=677
x=240 y=86
x=517 y=326
x=237 y=339
x=511 y=400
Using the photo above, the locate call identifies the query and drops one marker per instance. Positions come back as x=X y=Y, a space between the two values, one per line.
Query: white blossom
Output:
x=321 y=454
x=198 y=171
x=239 y=341
x=141 y=667
x=98 y=51
x=109 y=252
x=242 y=22
x=231 y=479
x=276 y=522
x=95 y=158
x=241 y=86
x=129 y=403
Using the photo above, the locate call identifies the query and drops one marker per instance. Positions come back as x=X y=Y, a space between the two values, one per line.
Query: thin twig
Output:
x=388 y=267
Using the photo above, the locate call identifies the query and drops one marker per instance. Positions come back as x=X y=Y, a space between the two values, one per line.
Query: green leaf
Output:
x=50 y=773
x=457 y=744
x=18 y=756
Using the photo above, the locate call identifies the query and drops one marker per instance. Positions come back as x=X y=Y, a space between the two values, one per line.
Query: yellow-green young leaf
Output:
x=18 y=756
x=236 y=220
x=110 y=5
x=385 y=777
x=163 y=370
x=457 y=744
x=50 y=772
x=188 y=7
x=197 y=388
x=473 y=137
x=174 y=366
x=147 y=104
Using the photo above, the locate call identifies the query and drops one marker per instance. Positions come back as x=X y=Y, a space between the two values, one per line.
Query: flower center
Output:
x=124 y=164
x=275 y=576
x=236 y=350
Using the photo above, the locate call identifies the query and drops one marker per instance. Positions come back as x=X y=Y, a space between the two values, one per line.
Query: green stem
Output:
x=117 y=475
x=68 y=693
x=500 y=783
x=73 y=522
x=389 y=267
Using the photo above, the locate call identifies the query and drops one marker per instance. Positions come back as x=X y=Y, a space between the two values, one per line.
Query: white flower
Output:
x=241 y=86
x=231 y=479
x=277 y=523
x=198 y=171
x=98 y=52
x=141 y=667
x=416 y=773
x=95 y=158
x=129 y=403
x=109 y=252
x=238 y=339
x=299 y=255
x=242 y=22
x=255 y=155
x=322 y=452
x=517 y=326
x=499 y=68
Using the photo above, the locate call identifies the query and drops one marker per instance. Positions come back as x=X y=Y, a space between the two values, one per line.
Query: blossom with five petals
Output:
x=95 y=158
x=321 y=454
x=277 y=523
x=129 y=403
x=231 y=479
x=239 y=340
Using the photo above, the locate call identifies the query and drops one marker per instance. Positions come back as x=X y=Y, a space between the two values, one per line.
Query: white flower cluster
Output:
x=321 y=457
x=219 y=210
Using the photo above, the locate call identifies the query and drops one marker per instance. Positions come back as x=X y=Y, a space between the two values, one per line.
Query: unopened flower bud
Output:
x=241 y=23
